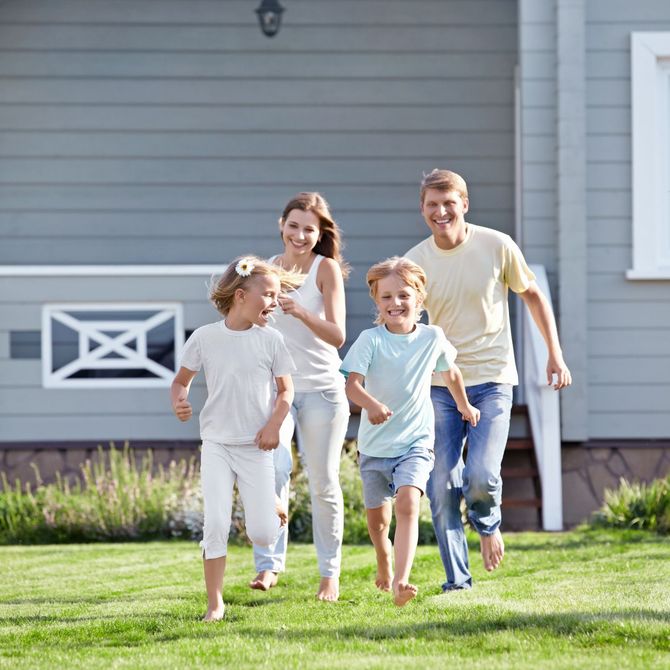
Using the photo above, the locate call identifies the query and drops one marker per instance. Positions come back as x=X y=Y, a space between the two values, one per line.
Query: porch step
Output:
x=516 y=503
x=520 y=444
x=519 y=473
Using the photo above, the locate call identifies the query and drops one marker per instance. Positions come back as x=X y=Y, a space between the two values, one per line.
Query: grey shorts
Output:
x=382 y=477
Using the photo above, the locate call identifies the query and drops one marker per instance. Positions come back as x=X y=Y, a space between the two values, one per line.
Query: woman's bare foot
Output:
x=329 y=589
x=215 y=614
x=493 y=550
x=403 y=593
x=384 y=578
x=264 y=580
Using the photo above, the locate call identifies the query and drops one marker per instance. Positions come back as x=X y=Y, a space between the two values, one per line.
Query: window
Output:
x=650 y=74
x=110 y=346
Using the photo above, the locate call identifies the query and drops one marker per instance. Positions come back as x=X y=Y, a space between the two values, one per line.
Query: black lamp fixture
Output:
x=269 y=16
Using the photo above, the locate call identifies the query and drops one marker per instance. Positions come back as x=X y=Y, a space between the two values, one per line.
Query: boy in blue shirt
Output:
x=395 y=439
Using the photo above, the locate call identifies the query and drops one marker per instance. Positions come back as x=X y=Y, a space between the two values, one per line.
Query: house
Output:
x=144 y=143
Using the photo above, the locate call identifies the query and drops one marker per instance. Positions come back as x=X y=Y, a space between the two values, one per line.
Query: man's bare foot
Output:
x=493 y=550
x=403 y=593
x=282 y=512
x=216 y=614
x=264 y=580
x=384 y=577
x=329 y=589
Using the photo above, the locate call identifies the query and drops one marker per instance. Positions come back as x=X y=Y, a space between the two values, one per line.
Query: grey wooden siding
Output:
x=629 y=322
x=172 y=131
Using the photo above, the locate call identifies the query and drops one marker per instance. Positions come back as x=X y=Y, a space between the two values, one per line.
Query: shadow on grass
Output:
x=582 y=539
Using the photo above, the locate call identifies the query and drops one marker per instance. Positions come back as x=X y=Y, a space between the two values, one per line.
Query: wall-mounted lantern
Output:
x=269 y=16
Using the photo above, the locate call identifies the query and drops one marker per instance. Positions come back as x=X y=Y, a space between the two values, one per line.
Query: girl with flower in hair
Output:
x=249 y=392
x=312 y=319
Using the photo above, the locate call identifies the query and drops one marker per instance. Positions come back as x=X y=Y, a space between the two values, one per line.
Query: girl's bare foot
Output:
x=215 y=614
x=329 y=589
x=403 y=593
x=264 y=580
x=493 y=550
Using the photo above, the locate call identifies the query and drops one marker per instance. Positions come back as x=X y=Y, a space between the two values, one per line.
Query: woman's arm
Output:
x=332 y=328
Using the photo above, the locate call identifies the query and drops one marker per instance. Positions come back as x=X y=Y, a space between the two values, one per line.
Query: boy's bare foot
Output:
x=215 y=614
x=329 y=589
x=493 y=550
x=403 y=593
x=264 y=580
x=282 y=512
x=384 y=577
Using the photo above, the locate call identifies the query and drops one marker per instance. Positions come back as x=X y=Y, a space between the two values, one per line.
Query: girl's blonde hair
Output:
x=240 y=272
x=405 y=269
x=330 y=242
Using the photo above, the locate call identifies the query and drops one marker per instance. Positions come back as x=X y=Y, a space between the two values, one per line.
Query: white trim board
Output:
x=650 y=102
x=109 y=270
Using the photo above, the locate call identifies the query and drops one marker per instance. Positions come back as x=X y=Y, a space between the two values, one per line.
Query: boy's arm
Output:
x=542 y=314
x=454 y=381
x=377 y=411
x=179 y=393
x=267 y=437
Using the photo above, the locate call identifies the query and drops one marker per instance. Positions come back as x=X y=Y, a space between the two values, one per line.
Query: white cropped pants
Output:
x=221 y=466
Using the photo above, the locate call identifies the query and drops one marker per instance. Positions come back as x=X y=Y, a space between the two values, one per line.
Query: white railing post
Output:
x=544 y=415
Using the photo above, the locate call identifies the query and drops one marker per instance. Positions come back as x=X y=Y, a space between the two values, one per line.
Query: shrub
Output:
x=121 y=497
x=636 y=505
x=116 y=499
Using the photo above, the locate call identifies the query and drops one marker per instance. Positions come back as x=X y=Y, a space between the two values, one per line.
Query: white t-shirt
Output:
x=240 y=367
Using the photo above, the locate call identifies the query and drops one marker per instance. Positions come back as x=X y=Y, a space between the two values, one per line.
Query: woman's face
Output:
x=300 y=232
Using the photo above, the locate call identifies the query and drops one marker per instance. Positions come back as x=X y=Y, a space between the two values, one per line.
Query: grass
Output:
x=596 y=599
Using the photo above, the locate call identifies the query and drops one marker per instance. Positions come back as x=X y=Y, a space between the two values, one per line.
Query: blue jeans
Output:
x=478 y=480
x=320 y=420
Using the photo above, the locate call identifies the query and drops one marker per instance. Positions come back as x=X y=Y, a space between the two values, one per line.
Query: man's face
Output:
x=444 y=212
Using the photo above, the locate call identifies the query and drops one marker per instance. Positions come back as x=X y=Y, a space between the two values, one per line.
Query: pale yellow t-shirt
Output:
x=467 y=298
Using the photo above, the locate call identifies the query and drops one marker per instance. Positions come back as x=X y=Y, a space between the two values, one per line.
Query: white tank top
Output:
x=317 y=362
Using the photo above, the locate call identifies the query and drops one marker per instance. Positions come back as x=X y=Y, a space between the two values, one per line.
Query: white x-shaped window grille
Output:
x=110 y=345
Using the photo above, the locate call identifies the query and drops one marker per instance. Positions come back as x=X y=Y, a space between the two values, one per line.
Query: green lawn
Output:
x=570 y=600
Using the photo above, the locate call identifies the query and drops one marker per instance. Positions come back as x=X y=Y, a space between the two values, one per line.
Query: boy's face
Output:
x=397 y=303
x=444 y=212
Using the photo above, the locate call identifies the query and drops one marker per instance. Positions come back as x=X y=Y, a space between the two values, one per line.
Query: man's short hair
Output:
x=443 y=180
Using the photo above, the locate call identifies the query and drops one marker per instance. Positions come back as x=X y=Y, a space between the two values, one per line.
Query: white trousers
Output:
x=320 y=420
x=221 y=466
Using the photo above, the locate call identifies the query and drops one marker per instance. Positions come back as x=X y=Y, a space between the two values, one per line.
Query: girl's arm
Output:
x=331 y=329
x=267 y=437
x=377 y=411
x=454 y=381
x=179 y=394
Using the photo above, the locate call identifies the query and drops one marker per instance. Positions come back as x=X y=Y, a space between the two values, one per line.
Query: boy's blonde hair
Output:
x=443 y=180
x=408 y=271
x=240 y=272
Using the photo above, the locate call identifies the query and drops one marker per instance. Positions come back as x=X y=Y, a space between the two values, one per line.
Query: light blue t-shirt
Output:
x=397 y=371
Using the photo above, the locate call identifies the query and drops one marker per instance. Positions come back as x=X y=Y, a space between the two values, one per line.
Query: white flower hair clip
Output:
x=244 y=267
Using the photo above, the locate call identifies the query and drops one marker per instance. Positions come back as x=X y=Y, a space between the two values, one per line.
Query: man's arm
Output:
x=542 y=314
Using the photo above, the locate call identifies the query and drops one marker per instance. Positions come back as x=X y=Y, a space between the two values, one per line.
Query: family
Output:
x=273 y=372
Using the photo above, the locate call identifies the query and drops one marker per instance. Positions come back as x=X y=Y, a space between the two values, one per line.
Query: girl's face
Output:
x=300 y=232
x=398 y=304
x=256 y=302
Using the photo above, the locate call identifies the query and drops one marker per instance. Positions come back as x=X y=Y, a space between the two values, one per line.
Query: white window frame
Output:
x=650 y=89
x=123 y=331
